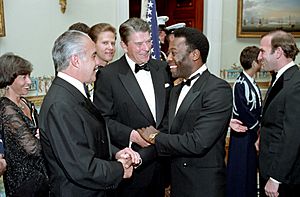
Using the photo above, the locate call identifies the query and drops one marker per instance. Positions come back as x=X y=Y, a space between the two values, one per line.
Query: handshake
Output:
x=131 y=159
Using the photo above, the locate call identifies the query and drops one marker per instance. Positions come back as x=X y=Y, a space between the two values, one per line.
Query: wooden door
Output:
x=188 y=11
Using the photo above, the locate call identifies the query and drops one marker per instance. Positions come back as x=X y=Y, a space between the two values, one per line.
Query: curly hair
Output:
x=194 y=39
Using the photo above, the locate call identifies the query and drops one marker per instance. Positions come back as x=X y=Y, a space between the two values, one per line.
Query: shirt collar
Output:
x=248 y=77
x=283 y=69
x=75 y=82
x=200 y=71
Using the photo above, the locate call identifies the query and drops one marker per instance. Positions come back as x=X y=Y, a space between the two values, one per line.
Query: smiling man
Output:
x=104 y=35
x=199 y=113
x=131 y=93
x=73 y=132
x=279 y=158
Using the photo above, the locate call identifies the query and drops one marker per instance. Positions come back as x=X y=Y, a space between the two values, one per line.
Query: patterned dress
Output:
x=26 y=172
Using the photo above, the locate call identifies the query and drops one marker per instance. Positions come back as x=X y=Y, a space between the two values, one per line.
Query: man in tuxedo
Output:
x=199 y=113
x=131 y=93
x=73 y=132
x=279 y=158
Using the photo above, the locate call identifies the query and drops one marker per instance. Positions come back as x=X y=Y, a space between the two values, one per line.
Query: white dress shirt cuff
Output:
x=274 y=180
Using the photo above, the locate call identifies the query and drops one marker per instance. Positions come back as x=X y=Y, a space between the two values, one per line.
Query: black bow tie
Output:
x=188 y=82
x=144 y=67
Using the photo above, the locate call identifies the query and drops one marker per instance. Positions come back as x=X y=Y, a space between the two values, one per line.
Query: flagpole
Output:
x=149 y=14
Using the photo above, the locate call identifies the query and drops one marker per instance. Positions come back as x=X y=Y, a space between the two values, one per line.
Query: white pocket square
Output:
x=167 y=85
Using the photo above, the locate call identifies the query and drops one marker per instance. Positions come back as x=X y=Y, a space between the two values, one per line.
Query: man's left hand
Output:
x=131 y=157
x=271 y=188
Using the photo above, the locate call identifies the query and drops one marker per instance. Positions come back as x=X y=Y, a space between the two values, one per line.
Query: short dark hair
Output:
x=80 y=27
x=12 y=66
x=99 y=28
x=194 y=39
x=132 y=25
x=248 y=55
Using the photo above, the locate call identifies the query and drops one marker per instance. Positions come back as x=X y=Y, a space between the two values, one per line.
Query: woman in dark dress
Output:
x=247 y=103
x=25 y=174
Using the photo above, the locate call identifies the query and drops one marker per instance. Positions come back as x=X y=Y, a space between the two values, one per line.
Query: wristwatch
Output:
x=152 y=138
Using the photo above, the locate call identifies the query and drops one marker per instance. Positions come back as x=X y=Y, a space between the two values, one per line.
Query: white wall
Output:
x=33 y=25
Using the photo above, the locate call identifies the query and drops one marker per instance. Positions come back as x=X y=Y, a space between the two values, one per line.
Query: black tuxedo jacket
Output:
x=122 y=103
x=197 y=143
x=279 y=154
x=75 y=143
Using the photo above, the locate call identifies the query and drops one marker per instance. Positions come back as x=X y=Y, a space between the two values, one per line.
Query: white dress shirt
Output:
x=185 y=89
x=76 y=83
x=144 y=80
x=282 y=70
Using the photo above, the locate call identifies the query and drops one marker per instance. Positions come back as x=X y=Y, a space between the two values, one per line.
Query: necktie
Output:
x=188 y=82
x=86 y=89
x=144 y=67
x=273 y=74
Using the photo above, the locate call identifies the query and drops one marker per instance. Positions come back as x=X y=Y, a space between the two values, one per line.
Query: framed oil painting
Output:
x=2 y=24
x=257 y=17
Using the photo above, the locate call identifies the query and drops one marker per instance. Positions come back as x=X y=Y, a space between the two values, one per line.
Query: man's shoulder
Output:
x=114 y=67
x=213 y=79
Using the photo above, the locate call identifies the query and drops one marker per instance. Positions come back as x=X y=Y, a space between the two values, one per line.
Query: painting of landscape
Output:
x=256 y=17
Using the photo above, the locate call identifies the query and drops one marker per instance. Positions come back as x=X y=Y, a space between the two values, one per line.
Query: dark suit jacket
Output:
x=242 y=155
x=75 y=144
x=279 y=155
x=121 y=101
x=197 y=143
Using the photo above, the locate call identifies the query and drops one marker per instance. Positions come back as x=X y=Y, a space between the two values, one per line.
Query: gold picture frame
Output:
x=2 y=23
x=255 y=18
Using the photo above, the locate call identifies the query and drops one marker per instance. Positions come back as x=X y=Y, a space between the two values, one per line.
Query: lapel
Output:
x=80 y=98
x=280 y=83
x=173 y=102
x=90 y=107
x=132 y=87
x=191 y=95
x=159 y=90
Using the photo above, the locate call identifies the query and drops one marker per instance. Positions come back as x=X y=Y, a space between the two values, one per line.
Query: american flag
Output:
x=148 y=13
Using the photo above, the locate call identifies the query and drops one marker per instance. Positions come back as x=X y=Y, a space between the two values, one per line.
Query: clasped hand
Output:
x=129 y=159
